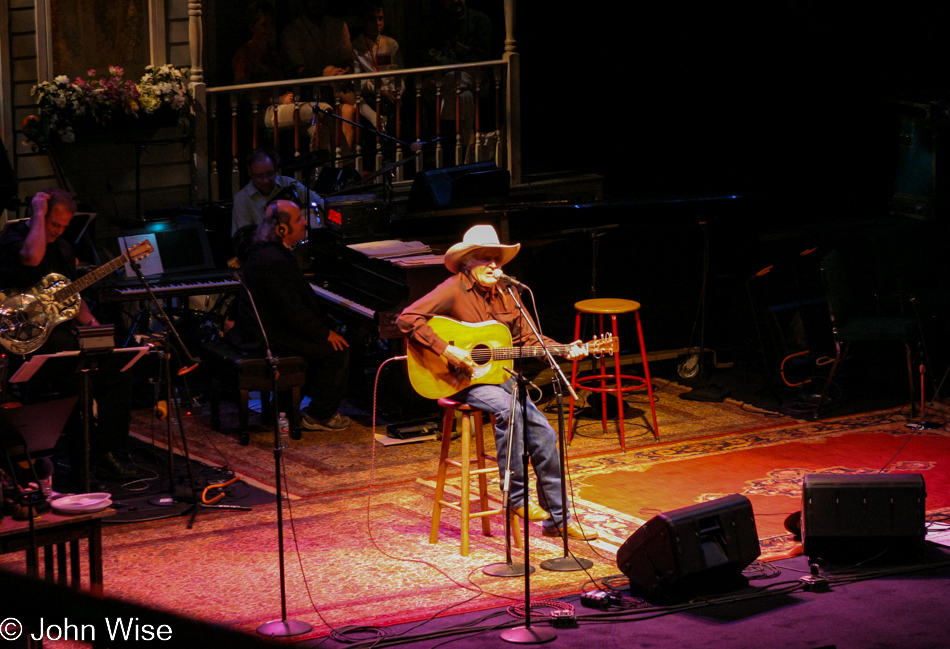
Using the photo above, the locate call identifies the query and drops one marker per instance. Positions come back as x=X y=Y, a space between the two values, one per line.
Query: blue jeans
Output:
x=542 y=442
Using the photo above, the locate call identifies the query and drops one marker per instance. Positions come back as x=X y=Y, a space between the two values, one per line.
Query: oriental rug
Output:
x=328 y=462
x=357 y=544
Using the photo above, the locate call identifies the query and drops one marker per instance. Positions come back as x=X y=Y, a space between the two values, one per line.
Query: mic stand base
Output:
x=284 y=628
x=566 y=564
x=529 y=634
x=506 y=570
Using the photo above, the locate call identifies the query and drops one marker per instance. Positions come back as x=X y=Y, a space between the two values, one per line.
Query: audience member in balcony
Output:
x=266 y=185
x=316 y=44
x=29 y=251
x=374 y=52
x=291 y=316
x=259 y=60
x=459 y=35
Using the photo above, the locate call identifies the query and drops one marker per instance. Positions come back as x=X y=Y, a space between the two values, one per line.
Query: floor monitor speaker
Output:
x=846 y=514
x=696 y=550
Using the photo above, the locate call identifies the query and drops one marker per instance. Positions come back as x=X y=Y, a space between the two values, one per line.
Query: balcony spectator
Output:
x=316 y=44
x=459 y=35
x=374 y=52
x=260 y=60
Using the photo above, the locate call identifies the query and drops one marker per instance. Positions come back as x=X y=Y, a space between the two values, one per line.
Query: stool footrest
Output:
x=458 y=507
x=458 y=465
x=640 y=383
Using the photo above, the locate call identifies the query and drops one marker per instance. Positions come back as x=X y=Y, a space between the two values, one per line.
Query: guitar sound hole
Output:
x=481 y=354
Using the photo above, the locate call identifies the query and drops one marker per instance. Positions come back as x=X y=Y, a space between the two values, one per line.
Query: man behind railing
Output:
x=316 y=44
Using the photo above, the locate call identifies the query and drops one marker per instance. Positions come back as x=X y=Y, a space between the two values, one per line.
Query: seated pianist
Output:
x=291 y=316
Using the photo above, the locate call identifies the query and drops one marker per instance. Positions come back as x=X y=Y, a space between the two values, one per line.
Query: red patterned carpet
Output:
x=358 y=551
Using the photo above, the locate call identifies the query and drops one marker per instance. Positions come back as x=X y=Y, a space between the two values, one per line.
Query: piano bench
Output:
x=250 y=372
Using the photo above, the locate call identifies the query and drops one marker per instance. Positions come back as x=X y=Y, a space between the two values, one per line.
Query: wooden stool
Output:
x=471 y=422
x=251 y=371
x=611 y=307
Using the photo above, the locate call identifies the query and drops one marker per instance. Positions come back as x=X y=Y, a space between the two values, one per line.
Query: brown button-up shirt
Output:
x=465 y=300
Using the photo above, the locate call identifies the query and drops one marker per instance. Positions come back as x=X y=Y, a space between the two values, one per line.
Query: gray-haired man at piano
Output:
x=292 y=316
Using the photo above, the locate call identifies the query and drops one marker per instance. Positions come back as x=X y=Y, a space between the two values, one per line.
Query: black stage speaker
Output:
x=919 y=184
x=859 y=514
x=691 y=551
x=458 y=186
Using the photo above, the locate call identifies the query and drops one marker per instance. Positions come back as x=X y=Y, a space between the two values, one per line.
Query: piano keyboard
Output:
x=339 y=300
x=180 y=288
x=167 y=286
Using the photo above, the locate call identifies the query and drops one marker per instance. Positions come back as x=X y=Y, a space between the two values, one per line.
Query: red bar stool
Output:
x=612 y=307
x=471 y=423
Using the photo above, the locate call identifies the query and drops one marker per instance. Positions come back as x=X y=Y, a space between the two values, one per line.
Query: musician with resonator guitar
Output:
x=39 y=290
x=458 y=356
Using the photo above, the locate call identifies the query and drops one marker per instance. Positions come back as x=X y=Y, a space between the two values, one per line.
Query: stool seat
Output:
x=606 y=305
x=252 y=373
x=445 y=402
x=471 y=427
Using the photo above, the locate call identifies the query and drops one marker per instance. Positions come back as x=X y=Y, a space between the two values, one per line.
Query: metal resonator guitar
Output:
x=28 y=317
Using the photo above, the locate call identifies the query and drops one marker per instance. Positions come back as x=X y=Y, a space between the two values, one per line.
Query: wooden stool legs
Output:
x=612 y=308
x=471 y=423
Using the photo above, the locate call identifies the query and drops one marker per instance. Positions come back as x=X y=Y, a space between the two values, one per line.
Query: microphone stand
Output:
x=567 y=562
x=922 y=423
x=173 y=497
x=509 y=569
x=282 y=627
x=525 y=634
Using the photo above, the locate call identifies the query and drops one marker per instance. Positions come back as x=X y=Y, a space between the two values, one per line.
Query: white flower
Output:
x=61 y=80
x=68 y=135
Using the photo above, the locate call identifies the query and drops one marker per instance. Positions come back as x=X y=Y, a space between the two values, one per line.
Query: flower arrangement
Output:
x=65 y=104
x=164 y=86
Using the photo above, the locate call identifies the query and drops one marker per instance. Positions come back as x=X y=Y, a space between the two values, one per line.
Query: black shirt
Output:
x=15 y=275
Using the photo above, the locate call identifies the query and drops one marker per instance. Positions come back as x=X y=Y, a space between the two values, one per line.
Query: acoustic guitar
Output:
x=488 y=344
x=28 y=317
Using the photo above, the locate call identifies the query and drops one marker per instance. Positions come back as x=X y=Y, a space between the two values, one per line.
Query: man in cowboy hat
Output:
x=473 y=295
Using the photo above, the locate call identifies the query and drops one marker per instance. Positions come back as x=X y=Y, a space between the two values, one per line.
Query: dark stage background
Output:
x=785 y=98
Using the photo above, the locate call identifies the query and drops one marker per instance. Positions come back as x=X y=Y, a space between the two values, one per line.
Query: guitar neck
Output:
x=508 y=353
x=90 y=278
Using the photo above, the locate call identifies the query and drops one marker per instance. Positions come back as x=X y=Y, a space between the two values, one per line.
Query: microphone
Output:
x=509 y=279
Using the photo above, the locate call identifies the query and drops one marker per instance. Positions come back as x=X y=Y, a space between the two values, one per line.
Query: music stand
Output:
x=32 y=429
x=49 y=366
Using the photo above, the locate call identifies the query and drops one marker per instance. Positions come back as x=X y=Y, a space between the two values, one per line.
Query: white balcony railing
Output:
x=465 y=108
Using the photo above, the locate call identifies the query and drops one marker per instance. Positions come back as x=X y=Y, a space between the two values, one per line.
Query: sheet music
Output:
x=420 y=260
x=390 y=248
x=29 y=369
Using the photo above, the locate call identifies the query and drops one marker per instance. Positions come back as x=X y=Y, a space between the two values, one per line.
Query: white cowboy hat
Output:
x=477 y=238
